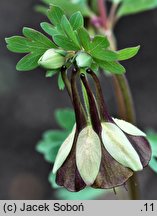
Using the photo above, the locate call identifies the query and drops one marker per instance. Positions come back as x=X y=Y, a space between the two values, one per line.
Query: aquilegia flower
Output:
x=101 y=152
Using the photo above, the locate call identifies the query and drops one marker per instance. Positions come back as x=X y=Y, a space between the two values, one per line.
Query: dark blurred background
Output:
x=28 y=100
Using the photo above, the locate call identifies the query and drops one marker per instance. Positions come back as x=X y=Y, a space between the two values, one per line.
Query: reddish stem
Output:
x=103 y=13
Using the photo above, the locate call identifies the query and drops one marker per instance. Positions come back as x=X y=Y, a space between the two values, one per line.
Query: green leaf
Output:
x=18 y=44
x=70 y=7
x=61 y=84
x=86 y=194
x=41 y=9
x=50 y=73
x=38 y=37
x=116 y=1
x=99 y=42
x=95 y=67
x=34 y=42
x=97 y=49
x=28 y=62
x=52 y=180
x=55 y=15
x=104 y=55
x=152 y=138
x=65 y=118
x=64 y=42
x=52 y=139
x=49 y=29
x=77 y=20
x=135 y=6
x=127 y=53
x=50 y=144
x=112 y=67
x=84 y=38
x=69 y=30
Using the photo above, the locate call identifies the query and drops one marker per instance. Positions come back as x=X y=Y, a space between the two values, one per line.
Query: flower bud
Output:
x=83 y=60
x=52 y=59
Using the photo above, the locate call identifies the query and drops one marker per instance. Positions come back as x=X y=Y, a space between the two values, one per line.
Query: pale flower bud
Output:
x=83 y=60
x=52 y=59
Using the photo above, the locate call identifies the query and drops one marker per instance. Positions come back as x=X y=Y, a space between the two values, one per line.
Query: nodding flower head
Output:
x=102 y=153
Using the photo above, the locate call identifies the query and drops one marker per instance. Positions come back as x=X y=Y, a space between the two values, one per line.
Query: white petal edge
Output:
x=128 y=128
x=88 y=155
x=64 y=150
x=119 y=147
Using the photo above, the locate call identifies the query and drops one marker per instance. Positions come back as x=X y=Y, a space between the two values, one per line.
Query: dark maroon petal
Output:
x=68 y=175
x=142 y=146
x=92 y=106
x=112 y=173
x=104 y=114
x=80 y=114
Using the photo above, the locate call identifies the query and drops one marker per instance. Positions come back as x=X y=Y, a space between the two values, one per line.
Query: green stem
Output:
x=124 y=98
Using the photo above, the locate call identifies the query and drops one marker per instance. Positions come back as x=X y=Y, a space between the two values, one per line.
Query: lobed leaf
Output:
x=49 y=29
x=18 y=44
x=112 y=67
x=152 y=138
x=127 y=53
x=76 y=20
x=99 y=42
x=69 y=30
x=52 y=180
x=38 y=37
x=65 y=118
x=135 y=6
x=104 y=55
x=84 y=38
x=50 y=144
x=86 y=194
x=70 y=7
x=28 y=62
x=55 y=15
x=64 y=42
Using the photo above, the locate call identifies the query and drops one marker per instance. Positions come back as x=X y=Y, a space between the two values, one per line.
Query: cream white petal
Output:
x=88 y=155
x=128 y=127
x=119 y=147
x=64 y=150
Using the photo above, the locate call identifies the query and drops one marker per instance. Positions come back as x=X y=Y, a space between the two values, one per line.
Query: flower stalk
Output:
x=122 y=90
